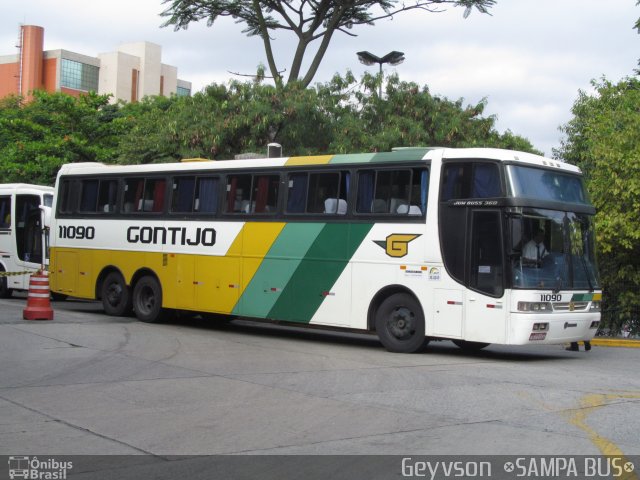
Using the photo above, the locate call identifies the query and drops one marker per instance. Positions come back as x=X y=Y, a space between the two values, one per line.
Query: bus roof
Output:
x=25 y=186
x=397 y=155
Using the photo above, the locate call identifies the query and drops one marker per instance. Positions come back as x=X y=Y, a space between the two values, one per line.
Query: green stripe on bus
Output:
x=318 y=271
x=277 y=268
x=352 y=158
x=403 y=155
x=581 y=297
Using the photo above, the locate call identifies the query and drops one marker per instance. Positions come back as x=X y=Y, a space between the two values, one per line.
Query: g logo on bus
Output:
x=397 y=244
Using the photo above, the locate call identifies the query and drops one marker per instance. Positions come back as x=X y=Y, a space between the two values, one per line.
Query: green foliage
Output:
x=408 y=115
x=225 y=120
x=342 y=116
x=603 y=138
x=37 y=137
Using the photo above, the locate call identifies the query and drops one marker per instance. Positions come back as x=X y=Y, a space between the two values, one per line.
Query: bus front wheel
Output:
x=147 y=300
x=400 y=324
x=116 y=296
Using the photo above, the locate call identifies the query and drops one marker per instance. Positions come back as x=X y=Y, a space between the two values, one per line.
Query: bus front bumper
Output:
x=553 y=328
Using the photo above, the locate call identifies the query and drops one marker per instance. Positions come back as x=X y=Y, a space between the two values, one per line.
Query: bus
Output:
x=22 y=248
x=414 y=244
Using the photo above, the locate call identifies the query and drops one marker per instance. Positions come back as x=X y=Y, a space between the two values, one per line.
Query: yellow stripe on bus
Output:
x=315 y=160
x=195 y=282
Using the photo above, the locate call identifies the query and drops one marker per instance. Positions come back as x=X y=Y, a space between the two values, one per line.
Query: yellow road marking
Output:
x=578 y=417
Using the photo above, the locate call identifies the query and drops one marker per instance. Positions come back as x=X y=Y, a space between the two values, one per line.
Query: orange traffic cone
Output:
x=38 y=304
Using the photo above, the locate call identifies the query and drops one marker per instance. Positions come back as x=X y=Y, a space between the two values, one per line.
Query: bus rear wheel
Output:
x=147 y=300
x=116 y=296
x=400 y=324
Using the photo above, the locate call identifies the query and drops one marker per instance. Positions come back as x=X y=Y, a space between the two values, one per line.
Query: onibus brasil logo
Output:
x=38 y=469
x=397 y=244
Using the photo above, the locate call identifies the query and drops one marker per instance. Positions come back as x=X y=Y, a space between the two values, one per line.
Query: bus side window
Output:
x=183 y=194
x=297 y=195
x=392 y=191
x=206 y=199
x=486 y=181
x=456 y=181
x=328 y=193
x=470 y=180
x=153 y=199
x=133 y=190
x=88 y=196
x=238 y=193
x=107 y=196
x=67 y=197
x=264 y=195
x=5 y=212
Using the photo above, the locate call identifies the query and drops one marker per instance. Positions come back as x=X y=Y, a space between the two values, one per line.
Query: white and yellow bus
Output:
x=22 y=249
x=413 y=244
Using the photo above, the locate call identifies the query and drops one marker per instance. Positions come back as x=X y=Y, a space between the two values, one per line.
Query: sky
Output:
x=529 y=58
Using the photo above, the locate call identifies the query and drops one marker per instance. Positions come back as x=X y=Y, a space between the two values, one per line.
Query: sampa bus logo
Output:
x=397 y=244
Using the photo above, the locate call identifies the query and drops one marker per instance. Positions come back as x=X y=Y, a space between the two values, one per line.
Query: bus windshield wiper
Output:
x=586 y=272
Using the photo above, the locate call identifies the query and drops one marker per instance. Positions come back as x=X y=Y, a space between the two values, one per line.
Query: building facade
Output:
x=129 y=73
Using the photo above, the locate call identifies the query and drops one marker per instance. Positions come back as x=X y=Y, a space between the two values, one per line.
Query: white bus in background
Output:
x=21 y=246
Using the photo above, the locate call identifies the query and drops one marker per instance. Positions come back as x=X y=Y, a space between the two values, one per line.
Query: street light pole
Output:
x=392 y=58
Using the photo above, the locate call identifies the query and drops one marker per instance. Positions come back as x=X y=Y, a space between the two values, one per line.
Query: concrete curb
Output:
x=616 y=342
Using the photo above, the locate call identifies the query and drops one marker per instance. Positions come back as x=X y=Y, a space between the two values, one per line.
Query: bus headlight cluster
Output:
x=595 y=306
x=594 y=325
x=541 y=327
x=534 y=307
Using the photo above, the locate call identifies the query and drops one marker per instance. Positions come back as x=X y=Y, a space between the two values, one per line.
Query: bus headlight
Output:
x=595 y=306
x=534 y=307
x=594 y=325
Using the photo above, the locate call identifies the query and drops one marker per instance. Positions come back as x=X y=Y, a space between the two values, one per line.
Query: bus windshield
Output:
x=553 y=249
x=544 y=184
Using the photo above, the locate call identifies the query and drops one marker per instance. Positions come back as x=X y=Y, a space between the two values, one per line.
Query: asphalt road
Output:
x=89 y=384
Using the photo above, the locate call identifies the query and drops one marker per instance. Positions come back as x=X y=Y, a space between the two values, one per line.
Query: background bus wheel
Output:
x=470 y=346
x=147 y=300
x=58 y=297
x=116 y=296
x=400 y=324
x=5 y=291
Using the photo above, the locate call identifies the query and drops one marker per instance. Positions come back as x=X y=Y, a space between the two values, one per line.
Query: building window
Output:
x=79 y=76
x=183 y=92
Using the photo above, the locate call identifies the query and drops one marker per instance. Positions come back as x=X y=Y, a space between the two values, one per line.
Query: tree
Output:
x=37 y=137
x=309 y=20
x=603 y=138
x=344 y=115
x=407 y=115
x=224 y=120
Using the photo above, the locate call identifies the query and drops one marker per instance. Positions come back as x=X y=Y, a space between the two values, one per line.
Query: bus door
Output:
x=28 y=230
x=485 y=305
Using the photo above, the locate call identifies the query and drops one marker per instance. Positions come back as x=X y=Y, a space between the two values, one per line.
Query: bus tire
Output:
x=58 y=297
x=470 y=346
x=116 y=296
x=147 y=300
x=5 y=291
x=400 y=324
